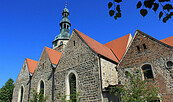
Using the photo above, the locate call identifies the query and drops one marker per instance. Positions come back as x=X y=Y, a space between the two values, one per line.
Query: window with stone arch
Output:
x=72 y=83
x=21 y=94
x=71 y=86
x=41 y=87
x=147 y=71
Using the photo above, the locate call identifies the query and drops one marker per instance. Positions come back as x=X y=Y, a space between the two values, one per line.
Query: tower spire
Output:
x=64 y=28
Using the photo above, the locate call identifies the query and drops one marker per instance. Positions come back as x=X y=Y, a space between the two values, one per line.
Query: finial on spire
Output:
x=66 y=4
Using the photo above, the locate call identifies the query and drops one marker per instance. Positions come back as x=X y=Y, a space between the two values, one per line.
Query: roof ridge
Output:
x=154 y=39
x=97 y=47
x=118 y=38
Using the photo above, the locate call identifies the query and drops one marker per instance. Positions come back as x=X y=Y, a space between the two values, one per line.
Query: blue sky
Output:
x=26 y=26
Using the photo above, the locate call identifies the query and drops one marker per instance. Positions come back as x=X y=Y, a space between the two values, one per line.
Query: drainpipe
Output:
x=53 y=70
x=100 y=74
x=30 y=76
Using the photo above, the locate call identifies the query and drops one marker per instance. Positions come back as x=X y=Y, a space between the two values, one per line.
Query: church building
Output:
x=78 y=63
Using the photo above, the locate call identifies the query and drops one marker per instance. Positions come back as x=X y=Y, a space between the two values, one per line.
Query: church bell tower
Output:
x=61 y=40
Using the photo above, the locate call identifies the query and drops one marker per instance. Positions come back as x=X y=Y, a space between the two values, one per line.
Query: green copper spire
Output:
x=64 y=25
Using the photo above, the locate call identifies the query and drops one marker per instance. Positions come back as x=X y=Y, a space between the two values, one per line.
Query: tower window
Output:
x=138 y=48
x=64 y=25
x=144 y=46
x=147 y=72
x=67 y=26
x=55 y=44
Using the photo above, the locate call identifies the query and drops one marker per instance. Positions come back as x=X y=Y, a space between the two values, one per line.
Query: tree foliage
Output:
x=6 y=91
x=38 y=97
x=136 y=90
x=75 y=97
x=165 y=12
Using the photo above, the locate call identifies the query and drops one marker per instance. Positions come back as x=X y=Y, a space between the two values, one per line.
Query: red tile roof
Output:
x=119 y=46
x=97 y=47
x=31 y=65
x=168 y=41
x=53 y=55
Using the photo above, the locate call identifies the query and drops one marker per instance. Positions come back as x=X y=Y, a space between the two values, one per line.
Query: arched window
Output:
x=72 y=83
x=147 y=71
x=64 y=25
x=41 y=87
x=21 y=92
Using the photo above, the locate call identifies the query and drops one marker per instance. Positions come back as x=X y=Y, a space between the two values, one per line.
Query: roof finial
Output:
x=66 y=4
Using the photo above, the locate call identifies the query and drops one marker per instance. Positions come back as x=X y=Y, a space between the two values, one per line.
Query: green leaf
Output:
x=143 y=12
x=110 y=5
x=118 y=1
x=115 y=17
x=168 y=7
x=160 y=15
x=139 y=4
x=111 y=12
x=148 y=4
x=156 y=5
x=118 y=14
x=118 y=8
x=164 y=0
x=165 y=19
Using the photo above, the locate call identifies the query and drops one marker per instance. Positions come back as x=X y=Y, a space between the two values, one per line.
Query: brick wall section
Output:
x=84 y=62
x=22 y=80
x=43 y=72
x=109 y=73
x=156 y=54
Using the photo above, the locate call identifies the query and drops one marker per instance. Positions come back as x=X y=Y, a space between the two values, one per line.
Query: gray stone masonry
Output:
x=22 y=81
x=82 y=60
x=43 y=72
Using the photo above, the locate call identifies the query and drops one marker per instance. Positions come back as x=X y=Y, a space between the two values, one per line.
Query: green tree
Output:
x=38 y=97
x=6 y=91
x=74 y=97
x=164 y=12
x=136 y=90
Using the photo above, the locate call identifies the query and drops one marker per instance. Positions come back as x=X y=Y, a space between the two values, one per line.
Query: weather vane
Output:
x=66 y=4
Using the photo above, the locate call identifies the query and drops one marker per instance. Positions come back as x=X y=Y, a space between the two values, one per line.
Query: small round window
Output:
x=169 y=64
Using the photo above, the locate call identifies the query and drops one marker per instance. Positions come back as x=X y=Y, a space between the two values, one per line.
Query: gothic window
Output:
x=41 y=88
x=21 y=94
x=72 y=83
x=147 y=71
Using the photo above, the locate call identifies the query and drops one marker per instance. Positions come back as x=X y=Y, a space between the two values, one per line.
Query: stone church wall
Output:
x=22 y=81
x=79 y=59
x=109 y=73
x=43 y=72
x=155 y=54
